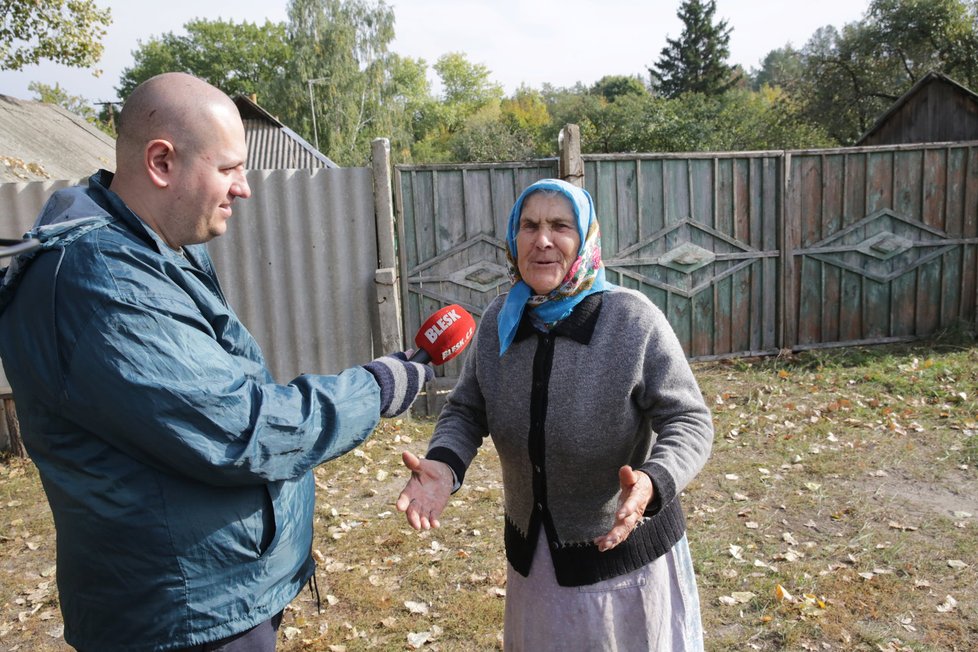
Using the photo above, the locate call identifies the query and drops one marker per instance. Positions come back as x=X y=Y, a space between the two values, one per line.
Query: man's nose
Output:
x=241 y=188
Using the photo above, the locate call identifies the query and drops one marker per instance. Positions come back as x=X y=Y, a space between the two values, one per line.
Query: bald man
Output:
x=179 y=474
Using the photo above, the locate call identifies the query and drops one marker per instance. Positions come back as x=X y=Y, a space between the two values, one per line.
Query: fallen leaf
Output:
x=948 y=605
x=416 y=607
x=417 y=639
x=956 y=564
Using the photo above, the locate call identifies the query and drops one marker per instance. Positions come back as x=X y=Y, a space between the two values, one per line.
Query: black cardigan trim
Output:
x=582 y=563
x=579 y=325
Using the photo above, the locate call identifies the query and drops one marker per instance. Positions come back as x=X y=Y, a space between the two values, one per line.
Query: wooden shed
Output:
x=936 y=109
x=272 y=145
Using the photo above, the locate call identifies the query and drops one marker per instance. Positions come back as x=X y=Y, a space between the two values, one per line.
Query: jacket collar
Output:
x=98 y=185
x=579 y=325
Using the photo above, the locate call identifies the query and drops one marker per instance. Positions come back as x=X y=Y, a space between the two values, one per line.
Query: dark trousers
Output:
x=260 y=638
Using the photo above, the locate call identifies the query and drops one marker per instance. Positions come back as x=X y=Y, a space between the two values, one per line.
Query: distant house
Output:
x=936 y=109
x=40 y=142
x=272 y=145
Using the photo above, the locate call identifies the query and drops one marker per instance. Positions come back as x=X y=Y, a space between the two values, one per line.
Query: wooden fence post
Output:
x=571 y=165
x=10 y=424
x=385 y=278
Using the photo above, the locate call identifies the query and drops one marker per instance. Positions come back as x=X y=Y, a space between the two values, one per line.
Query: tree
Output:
x=68 y=32
x=469 y=100
x=851 y=76
x=527 y=117
x=781 y=67
x=611 y=87
x=466 y=85
x=406 y=97
x=696 y=61
x=239 y=58
x=509 y=130
x=339 y=75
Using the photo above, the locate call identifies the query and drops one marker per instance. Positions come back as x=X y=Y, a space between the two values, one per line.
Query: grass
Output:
x=835 y=513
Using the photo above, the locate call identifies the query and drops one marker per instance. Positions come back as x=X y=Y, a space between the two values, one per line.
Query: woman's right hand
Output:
x=426 y=493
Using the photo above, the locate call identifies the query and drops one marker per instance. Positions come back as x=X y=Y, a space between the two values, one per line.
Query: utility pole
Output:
x=312 y=108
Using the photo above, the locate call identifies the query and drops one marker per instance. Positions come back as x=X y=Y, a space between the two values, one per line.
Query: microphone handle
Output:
x=420 y=356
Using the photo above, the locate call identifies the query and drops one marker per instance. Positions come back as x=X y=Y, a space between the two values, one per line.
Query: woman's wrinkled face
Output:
x=547 y=241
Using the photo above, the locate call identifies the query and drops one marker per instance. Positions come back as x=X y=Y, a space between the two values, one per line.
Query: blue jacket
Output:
x=178 y=472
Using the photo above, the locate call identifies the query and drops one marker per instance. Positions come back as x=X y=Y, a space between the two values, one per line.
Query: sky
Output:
x=529 y=42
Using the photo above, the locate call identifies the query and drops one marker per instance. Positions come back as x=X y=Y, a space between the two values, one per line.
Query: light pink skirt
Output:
x=654 y=608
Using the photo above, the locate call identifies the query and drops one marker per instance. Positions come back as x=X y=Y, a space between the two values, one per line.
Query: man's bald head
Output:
x=173 y=106
x=180 y=158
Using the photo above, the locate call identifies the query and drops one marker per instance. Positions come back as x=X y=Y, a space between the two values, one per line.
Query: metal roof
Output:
x=272 y=145
x=40 y=141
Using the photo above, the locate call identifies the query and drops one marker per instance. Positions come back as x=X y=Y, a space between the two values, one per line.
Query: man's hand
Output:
x=400 y=380
x=426 y=493
x=636 y=493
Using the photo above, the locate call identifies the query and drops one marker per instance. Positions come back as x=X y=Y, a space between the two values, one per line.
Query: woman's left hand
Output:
x=636 y=493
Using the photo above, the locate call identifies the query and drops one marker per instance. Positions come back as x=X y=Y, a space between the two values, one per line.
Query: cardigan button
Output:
x=539 y=507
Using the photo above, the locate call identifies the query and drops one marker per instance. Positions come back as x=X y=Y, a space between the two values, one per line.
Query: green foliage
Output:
x=696 y=61
x=851 y=76
x=339 y=75
x=465 y=124
x=611 y=87
x=737 y=120
x=781 y=67
x=466 y=85
x=68 y=32
x=239 y=58
x=407 y=99
x=328 y=74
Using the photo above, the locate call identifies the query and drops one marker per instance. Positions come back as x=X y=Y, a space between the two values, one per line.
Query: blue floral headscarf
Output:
x=585 y=276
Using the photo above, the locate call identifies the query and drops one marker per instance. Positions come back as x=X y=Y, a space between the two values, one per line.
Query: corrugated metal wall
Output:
x=19 y=205
x=21 y=202
x=297 y=263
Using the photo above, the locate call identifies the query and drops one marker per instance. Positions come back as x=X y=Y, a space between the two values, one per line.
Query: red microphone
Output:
x=444 y=335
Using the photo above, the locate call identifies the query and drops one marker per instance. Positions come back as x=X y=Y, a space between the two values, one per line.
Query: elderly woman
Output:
x=599 y=425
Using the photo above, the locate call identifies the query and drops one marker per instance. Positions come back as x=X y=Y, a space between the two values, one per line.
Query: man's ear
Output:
x=159 y=162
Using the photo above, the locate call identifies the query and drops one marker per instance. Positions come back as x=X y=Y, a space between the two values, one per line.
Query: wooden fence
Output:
x=746 y=253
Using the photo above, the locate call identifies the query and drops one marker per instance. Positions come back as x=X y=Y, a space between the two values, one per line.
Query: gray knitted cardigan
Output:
x=610 y=385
